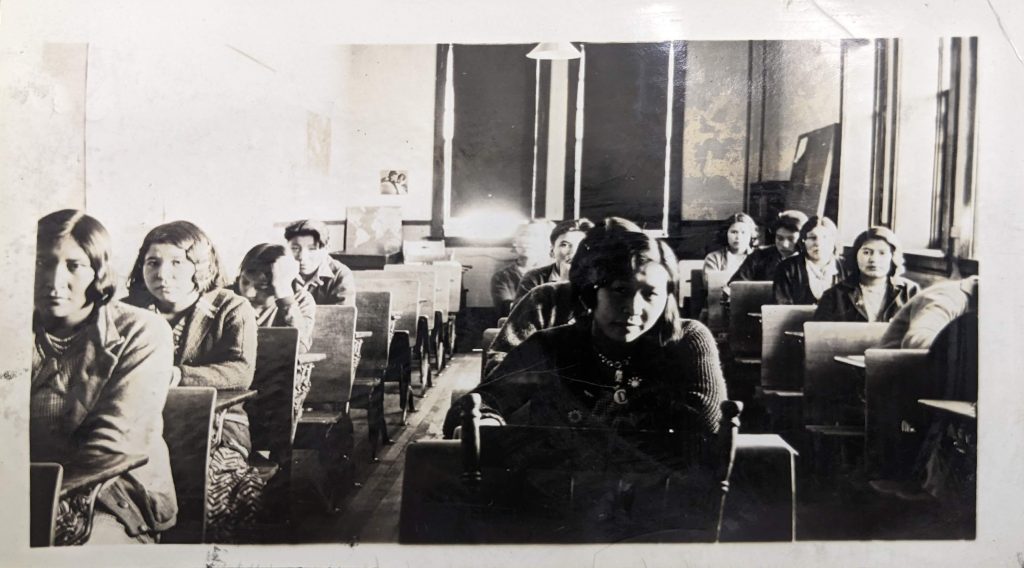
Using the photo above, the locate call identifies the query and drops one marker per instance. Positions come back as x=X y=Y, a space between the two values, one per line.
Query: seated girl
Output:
x=92 y=392
x=177 y=275
x=740 y=237
x=268 y=278
x=873 y=291
x=628 y=361
x=802 y=279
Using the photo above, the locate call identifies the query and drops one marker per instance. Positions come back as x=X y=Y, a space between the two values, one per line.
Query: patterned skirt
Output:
x=235 y=497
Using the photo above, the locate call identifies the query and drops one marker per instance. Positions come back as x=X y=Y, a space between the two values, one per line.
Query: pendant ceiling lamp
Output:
x=554 y=50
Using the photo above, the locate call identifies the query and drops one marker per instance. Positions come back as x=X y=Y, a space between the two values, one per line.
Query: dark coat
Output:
x=760 y=265
x=844 y=302
x=792 y=284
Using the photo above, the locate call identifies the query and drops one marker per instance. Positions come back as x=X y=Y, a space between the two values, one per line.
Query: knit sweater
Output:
x=545 y=306
x=718 y=261
x=557 y=378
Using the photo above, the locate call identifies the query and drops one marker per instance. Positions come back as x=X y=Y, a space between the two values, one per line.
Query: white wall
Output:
x=298 y=132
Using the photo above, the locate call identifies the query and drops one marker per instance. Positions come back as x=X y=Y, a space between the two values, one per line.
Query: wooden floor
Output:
x=369 y=512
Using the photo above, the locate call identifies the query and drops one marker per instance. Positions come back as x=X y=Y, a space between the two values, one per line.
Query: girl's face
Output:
x=564 y=250
x=738 y=237
x=168 y=273
x=628 y=308
x=874 y=258
x=820 y=244
x=256 y=287
x=63 y=277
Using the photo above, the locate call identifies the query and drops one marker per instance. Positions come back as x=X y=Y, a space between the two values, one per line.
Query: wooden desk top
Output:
x=957 y=407
x=226 y=398
x=86 y=474
x=305 y=358
x=852 y=360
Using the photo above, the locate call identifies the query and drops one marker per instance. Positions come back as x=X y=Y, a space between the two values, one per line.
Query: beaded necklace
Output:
x=620 y=395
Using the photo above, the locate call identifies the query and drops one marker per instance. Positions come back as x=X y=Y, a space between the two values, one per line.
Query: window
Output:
x=490 y=117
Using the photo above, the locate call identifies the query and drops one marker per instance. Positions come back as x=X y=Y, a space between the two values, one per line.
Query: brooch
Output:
x=575 y=416
x=619 y=396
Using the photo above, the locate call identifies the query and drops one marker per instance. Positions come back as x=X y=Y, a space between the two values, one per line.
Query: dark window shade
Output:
x=492 y=144
x=623 y=165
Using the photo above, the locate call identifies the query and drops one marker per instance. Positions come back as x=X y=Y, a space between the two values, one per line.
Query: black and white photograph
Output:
x=687 y=286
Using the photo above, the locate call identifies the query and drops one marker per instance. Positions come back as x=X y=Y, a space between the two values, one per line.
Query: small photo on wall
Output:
x=394 y=182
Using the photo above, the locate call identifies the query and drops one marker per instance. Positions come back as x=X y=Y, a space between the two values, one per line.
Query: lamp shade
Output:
x=559 y=50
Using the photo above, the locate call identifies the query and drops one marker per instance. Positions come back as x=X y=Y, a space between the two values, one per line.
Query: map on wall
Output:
x=373 y=230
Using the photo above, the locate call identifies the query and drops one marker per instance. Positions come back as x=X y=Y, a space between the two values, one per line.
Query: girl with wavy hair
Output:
x=177 y=275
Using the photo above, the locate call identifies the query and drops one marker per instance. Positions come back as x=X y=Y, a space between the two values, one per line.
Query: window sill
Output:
x=933 y=261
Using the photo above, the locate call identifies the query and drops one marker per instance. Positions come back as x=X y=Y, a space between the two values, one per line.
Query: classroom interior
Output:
x=674 y=135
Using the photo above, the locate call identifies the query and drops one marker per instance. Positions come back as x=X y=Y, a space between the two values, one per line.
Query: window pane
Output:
x=492 y=145
x=625 y=97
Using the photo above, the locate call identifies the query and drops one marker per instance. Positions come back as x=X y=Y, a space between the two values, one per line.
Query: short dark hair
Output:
x=562 y=227
x=198 y=249
x=308 y=228
x=616 y=249
x=261 y=258
x=791 y=220
x=881 y=234
x=92 y=237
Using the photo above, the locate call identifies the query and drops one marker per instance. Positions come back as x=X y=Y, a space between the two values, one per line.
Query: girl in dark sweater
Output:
x=628 y=362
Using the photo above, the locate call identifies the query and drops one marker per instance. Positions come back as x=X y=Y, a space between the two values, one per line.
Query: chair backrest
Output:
x=422 y=274
x=895 y=379
x=698 y=293
x=686 y=274
x=374 y=315
x=331 y=379
x=271 y=416
x=405 y=296
x=714 y=282
x=44 y=492
x=828 y=384
x=545 y=484
x=782 y=355
x=431 y=277
x=452 y=270
x=746 y=298
x=188 y=422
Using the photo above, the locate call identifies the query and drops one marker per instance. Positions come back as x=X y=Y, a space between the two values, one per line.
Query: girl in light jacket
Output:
x=177 y=275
